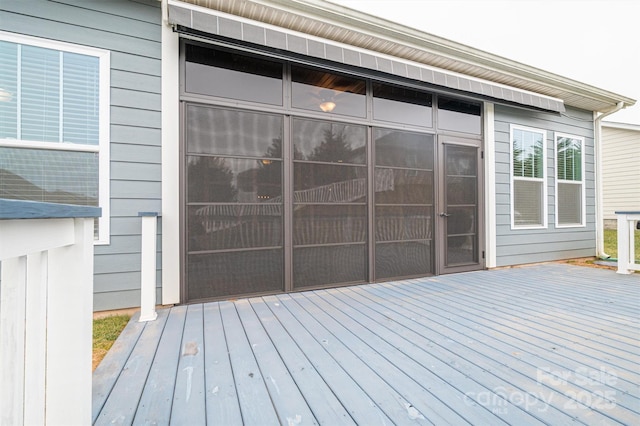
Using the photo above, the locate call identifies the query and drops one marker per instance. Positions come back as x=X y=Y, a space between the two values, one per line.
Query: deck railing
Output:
x=46 y=306
x=626 y=241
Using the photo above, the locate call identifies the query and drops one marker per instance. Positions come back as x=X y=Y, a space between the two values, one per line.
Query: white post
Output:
x=148 y=266
x=35 y=346
x=626 y=249
x=69 y=329
x=12 y=365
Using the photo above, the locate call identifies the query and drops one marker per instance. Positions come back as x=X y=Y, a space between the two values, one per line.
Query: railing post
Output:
x=148 y=266
x=626 y=249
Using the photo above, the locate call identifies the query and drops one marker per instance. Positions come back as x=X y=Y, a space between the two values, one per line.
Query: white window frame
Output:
x=104 y=58
x=583 y=217
x=543 y=180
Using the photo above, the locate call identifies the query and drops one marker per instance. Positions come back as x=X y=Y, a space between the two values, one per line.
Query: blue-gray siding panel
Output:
x=136 y=171
x=38 y=26
x=135 y=64
x=135 y=189
x=141 y=100
x=110 y=299
x=538 y=245
x=136 y=154
x=131 y=31
x=135 y=135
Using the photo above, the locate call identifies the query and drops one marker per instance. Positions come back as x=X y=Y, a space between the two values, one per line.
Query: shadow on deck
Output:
x=545 y=344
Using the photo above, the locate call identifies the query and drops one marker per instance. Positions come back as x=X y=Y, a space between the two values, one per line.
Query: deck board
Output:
x=391 y=402
x=222 y=399
x=514 y=370
x=422 y=344
x=362 y=409
x=189 y=395
x=131 y=381
x=467 y=350
x=253 y=394
x=543 y=344
x=107 y=373
x=324 y=404
x=286 y=397
x=156 y=401
x=444 y=401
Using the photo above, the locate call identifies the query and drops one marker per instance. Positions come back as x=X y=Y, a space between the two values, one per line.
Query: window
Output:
x=459 y=116
x=233 y=76
x=570 y=198
x=528 y=183
x=54 y=124
x=402 y=105
x=330 y=93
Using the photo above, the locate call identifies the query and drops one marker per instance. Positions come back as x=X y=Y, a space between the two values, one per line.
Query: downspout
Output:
x=597 y=136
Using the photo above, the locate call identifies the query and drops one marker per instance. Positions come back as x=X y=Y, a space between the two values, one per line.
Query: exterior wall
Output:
x=515 y=247
x=620 y=169
x=131 y=31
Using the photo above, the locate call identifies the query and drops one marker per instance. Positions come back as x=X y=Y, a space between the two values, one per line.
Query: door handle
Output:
x=443 y=214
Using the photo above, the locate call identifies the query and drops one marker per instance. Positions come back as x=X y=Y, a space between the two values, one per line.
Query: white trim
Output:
x=61 y=96
x=104 y=159
x=53 y=146
x=170 y=162
x=583 y=217
x=51 y=44
x=104 y=120
x=543 y=180
x=490 y=185
x=19 y=98
x=621 y=126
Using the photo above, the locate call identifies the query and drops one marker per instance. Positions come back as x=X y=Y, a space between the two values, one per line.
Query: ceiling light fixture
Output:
x=327 y=106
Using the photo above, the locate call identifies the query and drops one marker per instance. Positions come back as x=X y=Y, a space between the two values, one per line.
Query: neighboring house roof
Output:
x=621 y=126
x=343 y=25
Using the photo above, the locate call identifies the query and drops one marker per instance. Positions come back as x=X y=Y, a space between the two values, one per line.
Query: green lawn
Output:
x=611 y=243
x=105 y=332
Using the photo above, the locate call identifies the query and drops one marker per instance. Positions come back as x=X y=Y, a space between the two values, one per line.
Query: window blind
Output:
x=49 y=95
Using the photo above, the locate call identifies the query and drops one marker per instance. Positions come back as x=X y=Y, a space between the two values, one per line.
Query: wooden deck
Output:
x=547 y=344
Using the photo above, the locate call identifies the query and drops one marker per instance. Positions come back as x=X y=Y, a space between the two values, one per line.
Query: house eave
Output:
x=344 y=25
x=621 y=126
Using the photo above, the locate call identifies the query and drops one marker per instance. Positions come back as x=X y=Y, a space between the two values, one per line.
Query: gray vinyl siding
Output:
x=520 y=246
x=620 y=170
x=131 y=31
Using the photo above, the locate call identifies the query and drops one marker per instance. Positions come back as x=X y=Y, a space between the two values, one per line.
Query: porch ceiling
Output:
x=344 y=25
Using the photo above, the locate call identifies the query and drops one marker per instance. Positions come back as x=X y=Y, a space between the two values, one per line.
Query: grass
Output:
x=611 y=243
x=105 y=332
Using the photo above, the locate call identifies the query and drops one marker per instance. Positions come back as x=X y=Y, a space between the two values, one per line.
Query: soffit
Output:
x=351 y=28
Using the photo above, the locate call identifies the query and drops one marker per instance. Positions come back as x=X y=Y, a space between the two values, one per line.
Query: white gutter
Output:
x=597 y=141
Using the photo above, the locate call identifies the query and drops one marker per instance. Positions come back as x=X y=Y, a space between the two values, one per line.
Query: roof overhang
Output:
x=621 y=126
x=318 y=28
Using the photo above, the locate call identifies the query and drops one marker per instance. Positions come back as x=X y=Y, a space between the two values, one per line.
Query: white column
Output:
x=490 y=185
x=148 y=267
x=170 y=162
